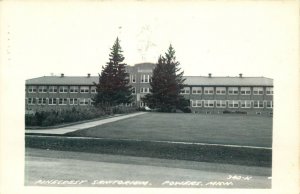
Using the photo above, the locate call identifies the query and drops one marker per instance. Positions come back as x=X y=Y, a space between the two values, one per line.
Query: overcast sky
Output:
x=224 y=39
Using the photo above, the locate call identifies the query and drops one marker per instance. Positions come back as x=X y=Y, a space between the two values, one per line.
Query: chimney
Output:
x=241 y=75
x=209 y=75
x=62 y=75
x=89 y=75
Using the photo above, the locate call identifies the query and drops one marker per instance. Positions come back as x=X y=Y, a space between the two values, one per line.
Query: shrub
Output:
x=51 y=118
x=186 y=110
x=30 y=120
x=41 y=116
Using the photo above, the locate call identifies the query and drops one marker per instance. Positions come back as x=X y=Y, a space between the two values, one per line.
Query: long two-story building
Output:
x=207 y=94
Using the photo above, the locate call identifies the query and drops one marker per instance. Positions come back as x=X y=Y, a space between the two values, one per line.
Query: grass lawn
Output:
x=219 y=129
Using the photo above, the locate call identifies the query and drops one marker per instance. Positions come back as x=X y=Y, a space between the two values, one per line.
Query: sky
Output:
x=218 y=37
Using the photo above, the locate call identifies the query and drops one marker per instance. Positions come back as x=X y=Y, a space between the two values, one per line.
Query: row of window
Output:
x=145 y=90
x=232 y=103
x=59 y=101
x=144 y=78
x=231 y=90
x=142 y=90
x=61 y=89
x=186 y=90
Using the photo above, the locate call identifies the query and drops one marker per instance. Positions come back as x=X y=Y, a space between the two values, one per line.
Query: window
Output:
x=52 y=89
x=41 y=101
x=233 y=91
x=142 y=104
x=209 y=103
x=31 y=101
x=133 y=78
x=193 y=102
x=91 y=101
x=84 y=89
x=74 y=89
x=245 y=90
x=258 y=104
x=84 y=101
x=62 y=101
x=269 y=91
x=134 y=90
x=73 y=101
x=269 y=104
x=93 y=89
x=145 y=90
x=245 y=104
x=220 y=90
x=142 y=79
x=32 y=89
x=42 y=89
x=221 y=104
x=52 y=101
x=208 y=90
x=258 y=91
x=233 y=104
x=196 y=103
x=196 y=90
x=145 y=78
x=63 y=89
x=185 y=90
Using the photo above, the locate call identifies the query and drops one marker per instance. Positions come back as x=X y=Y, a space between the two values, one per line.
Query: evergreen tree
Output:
x=166 y=85
x=113 y=87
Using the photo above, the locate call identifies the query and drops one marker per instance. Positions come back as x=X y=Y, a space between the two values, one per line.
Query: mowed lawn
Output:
x=218 y=129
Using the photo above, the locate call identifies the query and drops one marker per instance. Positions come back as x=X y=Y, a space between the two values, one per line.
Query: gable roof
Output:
x=190 y=80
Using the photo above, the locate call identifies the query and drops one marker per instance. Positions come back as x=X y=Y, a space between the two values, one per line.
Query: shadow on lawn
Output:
x=203 y=153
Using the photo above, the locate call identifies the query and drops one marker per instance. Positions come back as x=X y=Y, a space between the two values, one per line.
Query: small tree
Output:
x=166 y=85
x=113 y=88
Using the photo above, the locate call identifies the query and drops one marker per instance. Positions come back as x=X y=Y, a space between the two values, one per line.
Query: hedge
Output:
x=54 y=117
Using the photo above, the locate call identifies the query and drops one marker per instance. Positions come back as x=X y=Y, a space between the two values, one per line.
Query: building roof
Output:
x=66 y=80
x=190 y=80
x=228 y=81
x=144 y=65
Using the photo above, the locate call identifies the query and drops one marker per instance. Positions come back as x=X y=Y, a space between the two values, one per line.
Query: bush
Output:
x=51 y=118
x=141 y=109
x=186 y=110
x=30 y=120
x=226 y=112
x=234 y=112
x=41 y=116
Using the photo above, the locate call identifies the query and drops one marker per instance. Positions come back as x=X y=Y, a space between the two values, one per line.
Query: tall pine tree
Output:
x=166 y=85
x=113 y=87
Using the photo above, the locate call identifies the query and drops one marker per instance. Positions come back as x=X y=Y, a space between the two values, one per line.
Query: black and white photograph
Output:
x=150 y=95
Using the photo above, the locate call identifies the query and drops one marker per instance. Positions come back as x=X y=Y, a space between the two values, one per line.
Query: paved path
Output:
x=63 y=130
x=105 y=170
